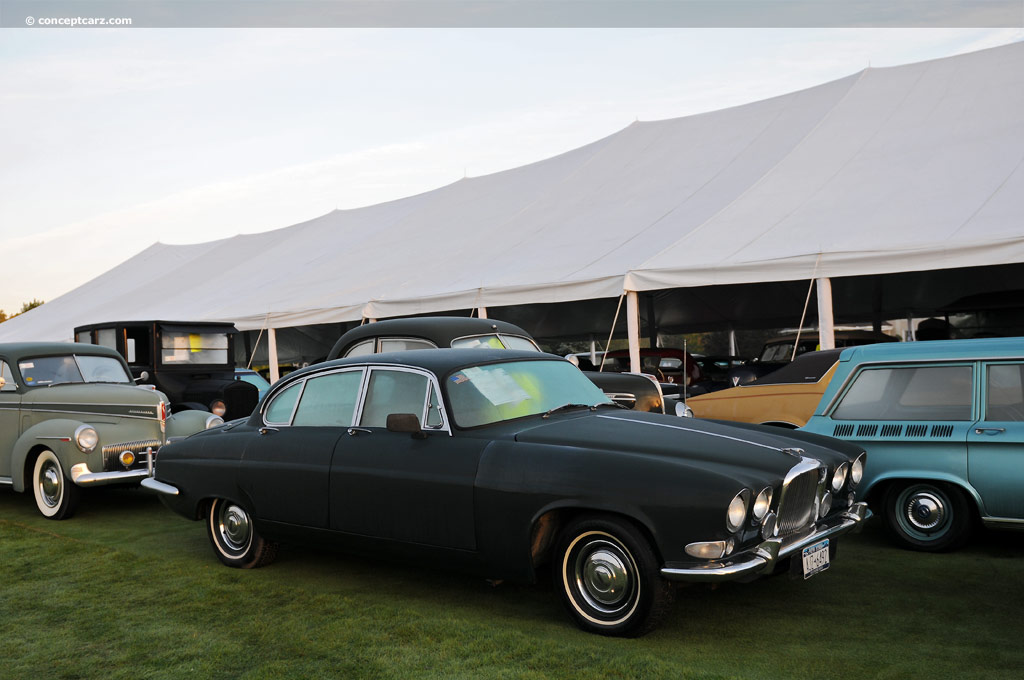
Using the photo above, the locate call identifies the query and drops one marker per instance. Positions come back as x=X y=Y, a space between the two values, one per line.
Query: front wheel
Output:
x=928 y=516
x=234 y=538
x=56 y=495
x=608 y=579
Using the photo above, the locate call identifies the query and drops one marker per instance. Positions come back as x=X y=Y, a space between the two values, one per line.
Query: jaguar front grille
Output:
x=799 y=502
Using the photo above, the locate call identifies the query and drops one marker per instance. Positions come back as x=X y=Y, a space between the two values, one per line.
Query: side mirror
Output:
x=406 y=422
x=144 y=376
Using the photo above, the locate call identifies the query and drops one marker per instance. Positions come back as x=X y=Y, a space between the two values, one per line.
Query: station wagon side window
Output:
x=390 y=391
x=281 y=407
x=1004 y=392
x=5 y=372
x=908 y=393
x=329 y=400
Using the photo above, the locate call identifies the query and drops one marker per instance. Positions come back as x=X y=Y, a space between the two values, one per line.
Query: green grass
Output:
x=128 y=590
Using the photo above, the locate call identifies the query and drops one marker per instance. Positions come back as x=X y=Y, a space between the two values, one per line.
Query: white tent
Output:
x=911 y=168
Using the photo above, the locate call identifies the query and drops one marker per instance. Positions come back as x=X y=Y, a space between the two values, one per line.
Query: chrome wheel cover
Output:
x=601 y=578
x=924 y=512
x=51 y=484
x=234 y=528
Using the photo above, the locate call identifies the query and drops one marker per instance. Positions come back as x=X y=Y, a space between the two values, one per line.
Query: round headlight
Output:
x=762 y=503
x=737 y=511
x=857 y=470
x=86 y=438
x=826 y=504
x=218 y=408
x=839 y=478
x=214 y=421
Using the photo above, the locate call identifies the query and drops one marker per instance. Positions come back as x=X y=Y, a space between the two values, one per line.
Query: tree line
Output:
x=24 y=308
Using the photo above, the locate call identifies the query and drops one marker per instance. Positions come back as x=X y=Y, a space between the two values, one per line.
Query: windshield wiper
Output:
x=608 y=403
x=567 y=406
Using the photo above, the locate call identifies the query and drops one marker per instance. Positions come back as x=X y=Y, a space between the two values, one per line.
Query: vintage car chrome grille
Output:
x=112 y=451
x=798 y=504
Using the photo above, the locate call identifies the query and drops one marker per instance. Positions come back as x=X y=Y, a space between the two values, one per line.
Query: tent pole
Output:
x=633 y=330
x=732 y=342
x=826 y=324
x=275 y=371
x=481 y=312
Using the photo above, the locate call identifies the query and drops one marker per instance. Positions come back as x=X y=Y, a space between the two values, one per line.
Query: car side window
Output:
x=912 y=393
x=9 y=384
x=393 y=392
x=434 y=418
x=283 y=404
x=361 y=349
x=1004 y=392
x=329 y=400
x=403 y=344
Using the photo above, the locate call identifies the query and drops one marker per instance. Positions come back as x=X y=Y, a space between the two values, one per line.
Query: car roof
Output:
x=806 y=368
x=440 y=330
x=928 y=350
x=178 y=325
x=16 y=351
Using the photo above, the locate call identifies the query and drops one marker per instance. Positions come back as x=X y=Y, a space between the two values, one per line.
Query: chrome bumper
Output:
x=763 y=557
x=150 y=482
x=83 y=476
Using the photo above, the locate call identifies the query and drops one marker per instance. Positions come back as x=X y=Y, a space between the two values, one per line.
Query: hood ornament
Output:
x=795 y=452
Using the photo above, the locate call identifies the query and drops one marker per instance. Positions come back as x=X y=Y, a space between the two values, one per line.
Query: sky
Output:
x=112 y=140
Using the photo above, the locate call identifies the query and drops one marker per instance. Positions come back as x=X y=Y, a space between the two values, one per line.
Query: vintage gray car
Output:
x=71 y=416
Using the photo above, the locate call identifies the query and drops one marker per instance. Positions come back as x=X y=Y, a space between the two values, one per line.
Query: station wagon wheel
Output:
x=608 y=577
x=234 y=537
x=56 y=495
x=929 y=516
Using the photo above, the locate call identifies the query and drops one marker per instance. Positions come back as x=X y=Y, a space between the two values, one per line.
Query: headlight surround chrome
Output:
x=214 y=421
x=737 y=512
x=86 y=438
x=839 y=477
x=857 y=470
x=762 y=503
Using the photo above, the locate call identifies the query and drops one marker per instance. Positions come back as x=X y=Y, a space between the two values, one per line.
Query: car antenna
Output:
x=686 y=371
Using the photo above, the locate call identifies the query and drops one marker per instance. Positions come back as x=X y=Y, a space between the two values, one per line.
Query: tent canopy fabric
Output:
x=902 y=169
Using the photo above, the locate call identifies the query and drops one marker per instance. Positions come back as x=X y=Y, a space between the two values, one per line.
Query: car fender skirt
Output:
x=764 y=556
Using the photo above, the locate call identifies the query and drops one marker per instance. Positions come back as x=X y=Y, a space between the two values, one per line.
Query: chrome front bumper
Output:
x=767 y=554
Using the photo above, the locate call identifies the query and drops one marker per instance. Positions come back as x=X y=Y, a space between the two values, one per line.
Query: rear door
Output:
x=996 y=442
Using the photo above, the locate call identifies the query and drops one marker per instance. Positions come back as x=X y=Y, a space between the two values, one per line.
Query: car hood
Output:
x=689 y=440
x=101 y=399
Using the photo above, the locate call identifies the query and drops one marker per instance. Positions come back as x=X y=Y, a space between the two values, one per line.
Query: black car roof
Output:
x=806 y=368
x=438 y=361
x=440 y=330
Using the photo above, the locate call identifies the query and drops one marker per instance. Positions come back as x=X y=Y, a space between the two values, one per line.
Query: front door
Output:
x=995 y=445
x=399 y=486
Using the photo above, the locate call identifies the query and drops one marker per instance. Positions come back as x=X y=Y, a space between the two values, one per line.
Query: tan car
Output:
x=786 y=397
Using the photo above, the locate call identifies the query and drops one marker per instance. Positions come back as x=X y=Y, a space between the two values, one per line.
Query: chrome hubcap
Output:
x=925 y=511
x=603 y=576
x=234 y=527
x=49 y=484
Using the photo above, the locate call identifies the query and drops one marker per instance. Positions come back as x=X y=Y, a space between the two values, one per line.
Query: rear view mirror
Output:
x=405 y=422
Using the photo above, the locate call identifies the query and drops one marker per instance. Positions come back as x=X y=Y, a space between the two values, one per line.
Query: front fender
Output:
x=185 y=423
x=56 y=435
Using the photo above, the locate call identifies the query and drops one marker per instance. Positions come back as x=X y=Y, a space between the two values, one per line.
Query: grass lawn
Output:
x=128 y=590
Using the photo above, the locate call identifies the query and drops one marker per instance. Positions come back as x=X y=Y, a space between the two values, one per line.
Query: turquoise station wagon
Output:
x=943 y=425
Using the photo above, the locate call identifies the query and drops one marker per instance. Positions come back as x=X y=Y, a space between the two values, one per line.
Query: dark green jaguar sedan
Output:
x=500 y=462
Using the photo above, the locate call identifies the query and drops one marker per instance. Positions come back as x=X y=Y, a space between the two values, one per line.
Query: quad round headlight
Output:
x=737 y=511
x=839 y=478
x=86 y=438
x=857 y=470
x=762 y=503
x=218 y=407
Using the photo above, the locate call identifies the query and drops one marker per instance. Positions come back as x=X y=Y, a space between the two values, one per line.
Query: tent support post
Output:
x=481 y=312
x=732 y=342
x=633 y=329
x=826 y=324
x=275 y=371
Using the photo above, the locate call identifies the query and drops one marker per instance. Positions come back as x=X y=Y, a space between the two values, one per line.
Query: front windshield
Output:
x=193 y=348
x=481 y=395
x=72 y=369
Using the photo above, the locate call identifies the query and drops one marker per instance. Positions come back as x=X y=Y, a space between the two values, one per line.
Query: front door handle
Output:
x=268 y=430
x=353 y=431
x=992 y=430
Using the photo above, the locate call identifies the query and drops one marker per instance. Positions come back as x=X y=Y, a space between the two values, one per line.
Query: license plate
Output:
x=815 y=558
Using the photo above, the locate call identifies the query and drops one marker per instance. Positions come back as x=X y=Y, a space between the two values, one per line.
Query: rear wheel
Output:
x=234 y=538
x=928 y=516
x=608 y=579
x=56 y=496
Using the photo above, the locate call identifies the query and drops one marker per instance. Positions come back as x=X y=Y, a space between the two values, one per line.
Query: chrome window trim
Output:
x=983 y=388
x=302 y=390
x=263 y=415
x=431 y=381
x=920 y=363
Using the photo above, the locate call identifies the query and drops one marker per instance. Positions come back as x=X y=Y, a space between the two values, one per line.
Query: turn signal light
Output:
x=127 y=458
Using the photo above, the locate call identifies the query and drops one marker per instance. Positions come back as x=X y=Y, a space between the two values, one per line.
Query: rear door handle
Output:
x=353 y=431
x=993 y=430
